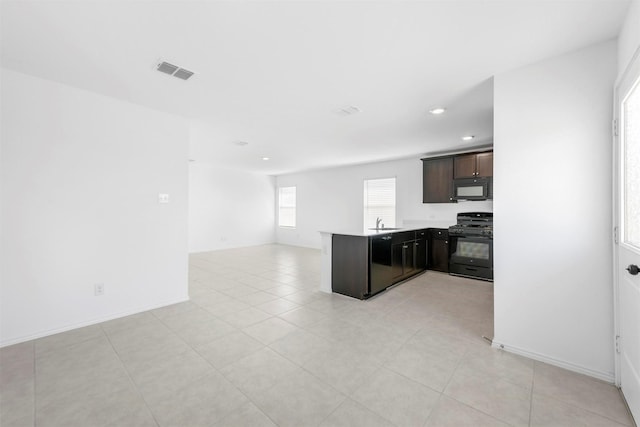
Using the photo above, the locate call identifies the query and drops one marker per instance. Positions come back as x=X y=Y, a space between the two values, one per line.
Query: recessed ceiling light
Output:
x=468 y=137
x=437 y=111
x=265 y=158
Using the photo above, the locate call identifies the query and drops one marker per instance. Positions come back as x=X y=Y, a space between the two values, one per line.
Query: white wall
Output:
x=629 y=38
x=332 y=200
x=229 y=208
x=552 y=218
x=81 y=175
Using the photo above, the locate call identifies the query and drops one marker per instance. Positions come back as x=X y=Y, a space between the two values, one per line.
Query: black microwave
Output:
x=472 y=189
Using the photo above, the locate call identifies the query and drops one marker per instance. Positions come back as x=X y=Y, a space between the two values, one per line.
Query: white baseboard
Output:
x=89 y=322
x=604 y=376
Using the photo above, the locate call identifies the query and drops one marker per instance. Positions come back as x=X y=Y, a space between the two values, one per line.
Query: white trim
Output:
x=632 y=68
x=89 y=322
x=604 y=376
x=629 y=68
x=615 y=211
x=325 y=261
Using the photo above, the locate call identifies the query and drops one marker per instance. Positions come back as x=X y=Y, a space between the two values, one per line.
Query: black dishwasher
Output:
x=380 y=274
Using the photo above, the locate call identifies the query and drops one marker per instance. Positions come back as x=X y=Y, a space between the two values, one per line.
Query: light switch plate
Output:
x=98 y=289
x=163 y=198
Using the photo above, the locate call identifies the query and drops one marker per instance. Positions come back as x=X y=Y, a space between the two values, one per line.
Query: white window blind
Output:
x=287 y=207
x=380 y=202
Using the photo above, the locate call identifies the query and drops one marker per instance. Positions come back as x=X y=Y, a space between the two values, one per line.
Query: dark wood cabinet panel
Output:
x=421 y=248
x=397 y=270
x=381 y=264
x=477 y=165
x=437 y=180
x=409 y=258
x=421 y=254
x=350 y=265
x=464 y=166
x=484 y=164
x=438 y=250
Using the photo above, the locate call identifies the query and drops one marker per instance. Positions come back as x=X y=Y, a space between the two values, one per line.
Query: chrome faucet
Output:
x=378 y=221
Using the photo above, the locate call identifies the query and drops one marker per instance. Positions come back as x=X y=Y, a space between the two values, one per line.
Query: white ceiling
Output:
x=274 y=73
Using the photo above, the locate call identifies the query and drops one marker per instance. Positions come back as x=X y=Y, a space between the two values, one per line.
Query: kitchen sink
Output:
x=385 y=228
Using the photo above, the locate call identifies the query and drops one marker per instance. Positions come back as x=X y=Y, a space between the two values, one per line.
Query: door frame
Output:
x=633 y=68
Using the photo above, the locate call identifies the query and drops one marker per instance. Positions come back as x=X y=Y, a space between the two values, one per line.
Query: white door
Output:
x=627 y=213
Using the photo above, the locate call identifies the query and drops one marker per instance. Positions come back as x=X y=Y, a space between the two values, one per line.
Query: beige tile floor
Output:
x=259 y=345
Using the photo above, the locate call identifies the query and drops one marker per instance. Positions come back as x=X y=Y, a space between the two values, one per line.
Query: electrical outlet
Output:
x=163 y=198
x=98 y=289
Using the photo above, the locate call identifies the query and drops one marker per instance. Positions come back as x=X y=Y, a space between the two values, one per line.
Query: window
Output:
x=380 y=202
x=287 y=207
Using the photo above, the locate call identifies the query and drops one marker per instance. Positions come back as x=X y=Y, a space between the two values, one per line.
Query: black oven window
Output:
x=472 y=250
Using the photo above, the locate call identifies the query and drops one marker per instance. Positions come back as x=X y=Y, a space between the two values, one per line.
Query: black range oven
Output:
x=471 y=245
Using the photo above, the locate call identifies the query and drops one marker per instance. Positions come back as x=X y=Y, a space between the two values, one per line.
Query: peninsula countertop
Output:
x=375 y=232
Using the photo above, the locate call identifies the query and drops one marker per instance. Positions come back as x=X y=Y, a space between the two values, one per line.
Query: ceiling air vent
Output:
x=183 y=74
x=174 y=70
x=347 y=111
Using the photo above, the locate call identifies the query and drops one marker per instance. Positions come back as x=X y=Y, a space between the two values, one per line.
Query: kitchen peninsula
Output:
x=363 y=263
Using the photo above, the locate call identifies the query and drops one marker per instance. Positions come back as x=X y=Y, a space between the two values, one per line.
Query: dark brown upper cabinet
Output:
x=473 y=165
x=437 y=180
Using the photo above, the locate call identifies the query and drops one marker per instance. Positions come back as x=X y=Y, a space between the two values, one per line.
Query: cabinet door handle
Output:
x=405 y=247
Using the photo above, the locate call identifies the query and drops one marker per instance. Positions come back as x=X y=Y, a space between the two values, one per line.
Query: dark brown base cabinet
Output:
x=363 y=266
x=438 y=249
x=350 y=265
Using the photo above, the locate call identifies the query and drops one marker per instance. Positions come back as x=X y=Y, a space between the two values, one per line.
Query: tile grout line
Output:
x=454 y=372
x=236 y=387
x=582 y=408
x=35 y=394
x=221 y=373
x=533 y=383
x=478 y=410
x=567 y=403
x=626 y=404
x=242 y=392
x=332 y=412
x=463 y=403
x=146 y=404
x=268 y=346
